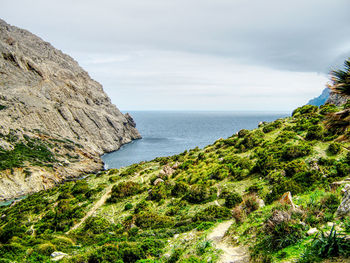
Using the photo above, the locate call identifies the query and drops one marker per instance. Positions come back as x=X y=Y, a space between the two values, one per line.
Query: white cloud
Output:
x=196 y=54
x=162 y=80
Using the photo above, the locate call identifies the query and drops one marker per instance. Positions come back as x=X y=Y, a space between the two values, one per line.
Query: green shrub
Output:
x=272 y=126
x=285 y=136
x=33 y=151
x=292 y=151
x=45 y=249
x=113 y=179
x=96 y=225
x=314 y=132
x=205 y=226
x=152 y=247
x=107 y=253
x=306 y=109
x=128 y=206
x=242 y=133
x=152 y=220
x=9 y=230
x=80 y=187
x=347 y=158
x=265 y=162
x=62 y=242
x=218 y=173
x=142 y=206
x=330 y=203
x=252 y=139
x=213 y=213
x=295 y=166
x=232 y=200
x=328 y=108
x=179 y=189
x=124 y=189
x=158 y=193
x=334 y=148
x=200 y=193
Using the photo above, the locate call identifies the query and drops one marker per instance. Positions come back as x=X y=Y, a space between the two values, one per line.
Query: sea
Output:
x=166 y=133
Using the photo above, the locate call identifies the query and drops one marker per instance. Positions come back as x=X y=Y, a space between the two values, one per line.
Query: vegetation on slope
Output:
x=162 y=210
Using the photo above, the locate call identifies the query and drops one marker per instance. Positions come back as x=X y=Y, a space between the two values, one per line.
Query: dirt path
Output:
x=230 y=254
x=96 y=206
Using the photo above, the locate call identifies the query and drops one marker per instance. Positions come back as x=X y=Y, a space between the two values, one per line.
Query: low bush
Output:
x=80 y=187
x=179 y=189
x=252 y=139
x=123 y=190
x=314 y=132
x=97 y=225
x=200 y=193
x=334 y=148
x=212 y=213
x=204 y=226
x=242 y=133
x=232 y=199
x=272 y=126
x=158 y=193
x=152 y=220
x=293 y=151
x=128 y=206
x=328 y=108
x=307 y=109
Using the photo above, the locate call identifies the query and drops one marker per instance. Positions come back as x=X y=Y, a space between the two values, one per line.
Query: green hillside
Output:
x=171 y=208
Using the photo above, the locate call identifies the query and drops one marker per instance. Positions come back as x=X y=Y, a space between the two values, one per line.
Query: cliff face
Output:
x=320 y=100
x=337 y=99
x=45 y=94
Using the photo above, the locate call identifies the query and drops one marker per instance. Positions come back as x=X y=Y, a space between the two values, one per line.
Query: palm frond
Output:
x=341 y=79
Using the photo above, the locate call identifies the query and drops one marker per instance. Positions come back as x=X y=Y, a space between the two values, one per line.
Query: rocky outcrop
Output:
x=320 y=100
x=344 y=207
x=45 y=93
x=337 y=99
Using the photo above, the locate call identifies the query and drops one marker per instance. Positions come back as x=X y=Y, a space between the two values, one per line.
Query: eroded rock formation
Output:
x=45 y=94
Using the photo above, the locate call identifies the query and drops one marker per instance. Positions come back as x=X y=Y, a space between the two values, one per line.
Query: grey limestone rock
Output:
x=41 y=88
x=344 y=207
x=337 y=99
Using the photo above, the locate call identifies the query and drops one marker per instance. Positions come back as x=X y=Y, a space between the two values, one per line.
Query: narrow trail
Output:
x=229 y=254
x=218 y=192
x=96 y=206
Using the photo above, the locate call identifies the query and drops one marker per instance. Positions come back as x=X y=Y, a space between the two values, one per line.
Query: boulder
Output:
x=312 y=231
x=287 y=199
x=336 y=185
x=166 y=171
x=176 y=165
x=277 y=217
x=58 y=255
x=158 y=181
x=344 y=207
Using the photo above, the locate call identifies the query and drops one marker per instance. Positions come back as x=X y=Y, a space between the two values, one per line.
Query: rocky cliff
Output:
x=320 y=100
x=337 y=99
x=47 y=97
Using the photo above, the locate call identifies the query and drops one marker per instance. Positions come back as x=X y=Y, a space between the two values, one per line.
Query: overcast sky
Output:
x=196 y=54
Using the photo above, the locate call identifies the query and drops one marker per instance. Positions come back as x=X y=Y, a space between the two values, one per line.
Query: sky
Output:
x=239 y=55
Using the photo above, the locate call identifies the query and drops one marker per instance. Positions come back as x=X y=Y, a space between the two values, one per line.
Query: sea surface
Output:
x=167 y=133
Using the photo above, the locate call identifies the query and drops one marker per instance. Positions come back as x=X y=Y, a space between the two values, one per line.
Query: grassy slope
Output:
x=169 y=222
